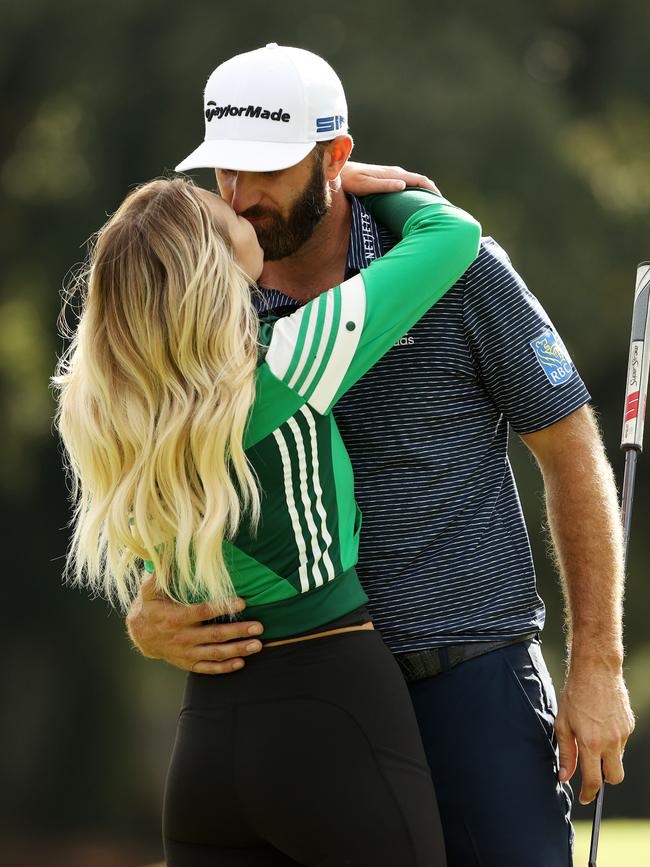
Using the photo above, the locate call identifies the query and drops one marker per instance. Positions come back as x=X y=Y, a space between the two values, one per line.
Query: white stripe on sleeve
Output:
x=351 y=323
x=325 y=334
x=283 y=343
x=309 y=338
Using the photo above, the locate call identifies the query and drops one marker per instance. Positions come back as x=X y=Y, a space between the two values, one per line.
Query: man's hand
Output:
x=593 y=724
x=162 y=629
x=361 y=179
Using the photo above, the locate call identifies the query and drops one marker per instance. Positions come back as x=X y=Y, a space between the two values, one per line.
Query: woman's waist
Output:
x=332 y=605
x=359 y=618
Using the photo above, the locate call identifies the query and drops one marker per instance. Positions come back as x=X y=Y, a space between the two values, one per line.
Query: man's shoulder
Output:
x=492 y=262
x=492 y=276
x=491 y=259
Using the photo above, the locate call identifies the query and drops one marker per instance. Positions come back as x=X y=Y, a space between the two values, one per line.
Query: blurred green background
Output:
x=535 y=117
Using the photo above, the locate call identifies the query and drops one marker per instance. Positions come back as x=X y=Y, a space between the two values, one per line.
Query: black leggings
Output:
x=311 y=755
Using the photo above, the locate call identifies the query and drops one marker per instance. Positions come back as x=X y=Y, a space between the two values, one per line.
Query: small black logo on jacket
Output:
x=213 y=110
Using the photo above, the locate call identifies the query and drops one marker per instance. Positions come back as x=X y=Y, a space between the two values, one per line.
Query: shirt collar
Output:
x=365 y=244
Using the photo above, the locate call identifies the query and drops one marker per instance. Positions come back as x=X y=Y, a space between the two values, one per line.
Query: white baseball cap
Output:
x=266 y=109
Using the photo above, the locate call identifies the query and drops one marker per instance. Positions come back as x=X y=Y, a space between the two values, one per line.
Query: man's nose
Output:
x=244 y=192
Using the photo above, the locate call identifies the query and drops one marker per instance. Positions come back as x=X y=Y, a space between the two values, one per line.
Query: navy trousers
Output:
x=487 y=728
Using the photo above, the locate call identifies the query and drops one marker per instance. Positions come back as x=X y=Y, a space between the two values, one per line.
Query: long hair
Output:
x=154 y=392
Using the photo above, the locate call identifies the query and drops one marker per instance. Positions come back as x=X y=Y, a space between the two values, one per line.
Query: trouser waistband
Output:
x=420 y=664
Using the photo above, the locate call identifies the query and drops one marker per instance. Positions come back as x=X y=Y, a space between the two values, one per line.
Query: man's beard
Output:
x=280 y=236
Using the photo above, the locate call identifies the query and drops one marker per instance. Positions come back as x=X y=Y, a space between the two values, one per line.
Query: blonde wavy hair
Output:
x=154 y=392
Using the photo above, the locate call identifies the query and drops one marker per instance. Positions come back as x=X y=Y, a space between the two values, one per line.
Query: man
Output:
x=444 y=554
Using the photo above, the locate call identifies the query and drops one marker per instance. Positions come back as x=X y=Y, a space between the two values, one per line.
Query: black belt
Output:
x=419 y=664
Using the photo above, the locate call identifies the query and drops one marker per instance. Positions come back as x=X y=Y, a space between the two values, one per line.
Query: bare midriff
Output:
x=368 y=625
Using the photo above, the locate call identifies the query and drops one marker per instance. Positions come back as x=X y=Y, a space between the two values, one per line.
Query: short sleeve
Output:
x=520 y=357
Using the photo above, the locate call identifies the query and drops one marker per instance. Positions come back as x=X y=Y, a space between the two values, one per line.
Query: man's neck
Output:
x=320 y=263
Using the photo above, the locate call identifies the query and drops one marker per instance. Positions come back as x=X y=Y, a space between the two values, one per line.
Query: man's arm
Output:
x=594 y=719
x=163 y=629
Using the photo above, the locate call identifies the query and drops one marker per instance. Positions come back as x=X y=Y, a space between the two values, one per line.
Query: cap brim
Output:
x=246 y=156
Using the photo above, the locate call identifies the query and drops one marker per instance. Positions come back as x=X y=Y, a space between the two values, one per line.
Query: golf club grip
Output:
x=636 y=387
x=595 y=828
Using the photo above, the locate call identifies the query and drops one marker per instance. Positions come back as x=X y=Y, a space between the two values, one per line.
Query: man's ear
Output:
x=337 y=153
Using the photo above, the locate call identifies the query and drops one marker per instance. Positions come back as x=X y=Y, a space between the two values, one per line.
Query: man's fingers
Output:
x=220 y=632
x=218 y=667
x=214 y=642
x=221 y=658
x=224 y=652
x=568 y=751
x=613 y=767
x=591 y=774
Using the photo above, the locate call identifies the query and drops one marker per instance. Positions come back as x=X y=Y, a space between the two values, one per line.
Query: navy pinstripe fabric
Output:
x=444 y=555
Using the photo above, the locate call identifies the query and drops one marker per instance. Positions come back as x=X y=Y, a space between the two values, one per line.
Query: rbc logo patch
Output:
x=553 y=358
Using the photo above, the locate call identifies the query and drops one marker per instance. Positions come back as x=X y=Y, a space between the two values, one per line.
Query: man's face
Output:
x=283 y=207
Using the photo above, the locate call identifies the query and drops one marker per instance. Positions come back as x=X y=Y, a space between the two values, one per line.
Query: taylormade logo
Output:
x=219 y=111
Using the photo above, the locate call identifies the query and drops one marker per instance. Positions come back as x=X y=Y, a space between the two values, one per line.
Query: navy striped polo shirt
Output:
x=444 y=555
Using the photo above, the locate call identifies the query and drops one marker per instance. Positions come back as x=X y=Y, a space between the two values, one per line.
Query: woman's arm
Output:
x=362 y=179
x=321 y=350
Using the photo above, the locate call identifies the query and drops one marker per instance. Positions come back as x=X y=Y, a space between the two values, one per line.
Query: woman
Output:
x=205 y=442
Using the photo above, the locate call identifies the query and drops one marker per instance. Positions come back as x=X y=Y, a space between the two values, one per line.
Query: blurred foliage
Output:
x=536 y=117
x=621 y=842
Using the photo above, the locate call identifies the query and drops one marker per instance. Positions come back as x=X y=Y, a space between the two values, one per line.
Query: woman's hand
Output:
x=362 y=179
x=163 y=629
